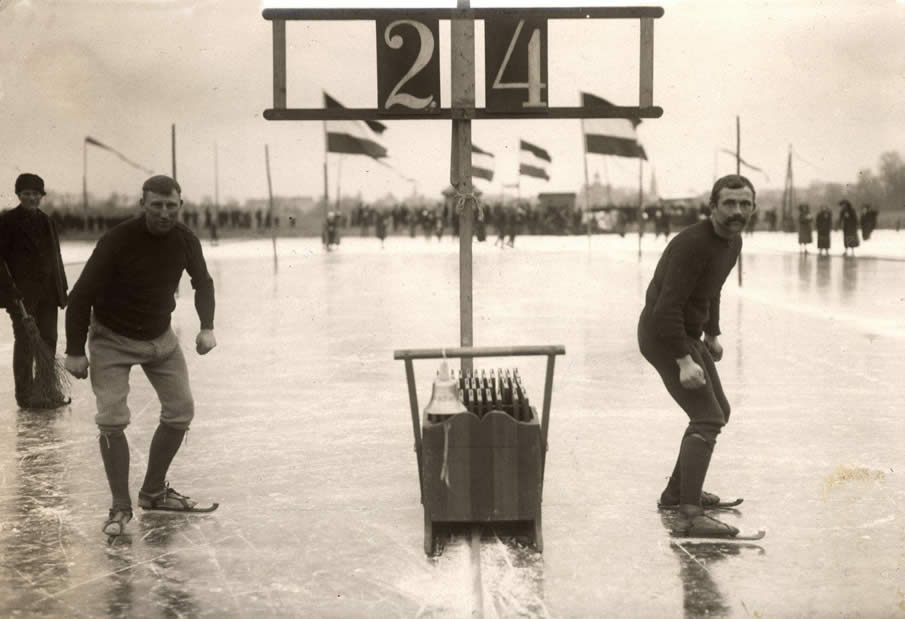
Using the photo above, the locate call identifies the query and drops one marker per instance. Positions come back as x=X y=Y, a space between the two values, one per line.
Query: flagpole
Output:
x=85 y=176
x=326 y=186
x=216 y=218
x=606 y=178
x=518 y=175
x=273 y=228
x=587 y=195
x=738 y=170
x=339 y=172
x=640 y=200
x=173 y=147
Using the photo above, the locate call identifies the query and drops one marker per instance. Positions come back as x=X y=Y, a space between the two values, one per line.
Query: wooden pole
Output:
x=463 y=100
x=216 y=179
x=640 y=200
x=273 y=228
x=339 y=174
x=587 y=187
x=738 y=170
x=326 y=188
x=215 y=219
x=173 y=147
x=416 y=422
x=85 y=176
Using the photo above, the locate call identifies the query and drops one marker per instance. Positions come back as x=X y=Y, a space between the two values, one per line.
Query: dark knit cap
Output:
x=30 y=181
x=161 y=184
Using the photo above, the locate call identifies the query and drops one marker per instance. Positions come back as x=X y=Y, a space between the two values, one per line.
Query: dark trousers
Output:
x=707 y=407
x=45 y=314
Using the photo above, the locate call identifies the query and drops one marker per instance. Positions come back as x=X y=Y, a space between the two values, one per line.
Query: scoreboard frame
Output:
x=500 y=105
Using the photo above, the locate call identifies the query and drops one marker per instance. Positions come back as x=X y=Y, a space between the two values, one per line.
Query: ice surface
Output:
x=303 y=435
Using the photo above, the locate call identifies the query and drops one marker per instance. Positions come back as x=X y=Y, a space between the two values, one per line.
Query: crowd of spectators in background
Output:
x=437 y=219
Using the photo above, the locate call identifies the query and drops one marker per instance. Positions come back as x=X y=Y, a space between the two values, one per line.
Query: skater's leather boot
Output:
x=700 y=524
x=116 y=522
x=668 y=499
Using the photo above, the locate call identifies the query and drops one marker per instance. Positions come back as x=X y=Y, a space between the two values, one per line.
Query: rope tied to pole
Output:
x=461 y=197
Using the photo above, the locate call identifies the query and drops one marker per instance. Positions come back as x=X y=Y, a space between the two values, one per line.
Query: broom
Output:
x=50 y=380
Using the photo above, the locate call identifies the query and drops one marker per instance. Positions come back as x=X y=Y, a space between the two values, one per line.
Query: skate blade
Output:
x=741 y=537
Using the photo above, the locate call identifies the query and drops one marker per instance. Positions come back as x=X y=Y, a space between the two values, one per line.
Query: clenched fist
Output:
x=77 y=365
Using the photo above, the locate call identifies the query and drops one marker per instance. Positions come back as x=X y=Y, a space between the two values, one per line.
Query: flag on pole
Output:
x=745 y=163
x=353 y=137
x=610 y=136
x=533 y=161
x=93 y=142
x=482 y=163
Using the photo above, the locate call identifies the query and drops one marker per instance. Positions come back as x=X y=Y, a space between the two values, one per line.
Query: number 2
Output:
x=425 y=52
x=534 y=83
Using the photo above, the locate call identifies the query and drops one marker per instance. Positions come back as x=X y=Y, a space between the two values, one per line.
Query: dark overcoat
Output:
x=21 y=252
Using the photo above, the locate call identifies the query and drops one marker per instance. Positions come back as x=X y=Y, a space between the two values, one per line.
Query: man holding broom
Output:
x=130 y=282
x=32 y=288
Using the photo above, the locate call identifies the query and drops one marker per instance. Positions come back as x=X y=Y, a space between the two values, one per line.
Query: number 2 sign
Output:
x=408 y=65
x=515 y=63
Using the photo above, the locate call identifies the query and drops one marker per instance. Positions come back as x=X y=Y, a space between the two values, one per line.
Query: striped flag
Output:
x=533 y=161
x=482 y=163
x=93 y=142
x=745 y=163
x=353 y=137
x=610 y=136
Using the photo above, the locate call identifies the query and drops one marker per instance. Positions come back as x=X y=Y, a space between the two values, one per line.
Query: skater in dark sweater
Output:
x=122 y=304
x=682 y=304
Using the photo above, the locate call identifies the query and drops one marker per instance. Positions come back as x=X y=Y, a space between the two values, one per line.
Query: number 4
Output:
x=534 y=83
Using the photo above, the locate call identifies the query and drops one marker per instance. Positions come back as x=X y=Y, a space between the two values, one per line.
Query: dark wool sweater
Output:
x=683 y=298
x=131 y=279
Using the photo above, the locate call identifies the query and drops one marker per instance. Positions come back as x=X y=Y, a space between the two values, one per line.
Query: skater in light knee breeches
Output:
x=682 y=304
x=122 y=304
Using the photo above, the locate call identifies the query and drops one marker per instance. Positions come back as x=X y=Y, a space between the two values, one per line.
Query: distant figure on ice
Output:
x=380 y=227
x=752 y=224
x=122 y=305
x=499 y=222
x=824 y=223
x=661 y=224
x=682 y=303
x=513 y=223
x=868 y=221
x=31 y=271
x=848 y=221
x=805 y=236
x=331 y=231
x=440 y=223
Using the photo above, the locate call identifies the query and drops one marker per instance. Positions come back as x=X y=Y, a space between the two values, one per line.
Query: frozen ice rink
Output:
x=303 y=434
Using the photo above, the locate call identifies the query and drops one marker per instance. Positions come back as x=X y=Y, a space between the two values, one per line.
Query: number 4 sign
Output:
x=515 y=63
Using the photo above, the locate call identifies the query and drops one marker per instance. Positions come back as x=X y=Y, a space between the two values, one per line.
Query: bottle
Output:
x=526 y=405
x=516 y=405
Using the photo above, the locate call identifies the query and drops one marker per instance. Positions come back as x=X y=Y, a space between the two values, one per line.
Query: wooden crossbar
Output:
x=349 y=113
x=600 y=12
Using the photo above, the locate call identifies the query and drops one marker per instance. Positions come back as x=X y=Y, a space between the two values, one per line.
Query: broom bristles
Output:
x=50 y=380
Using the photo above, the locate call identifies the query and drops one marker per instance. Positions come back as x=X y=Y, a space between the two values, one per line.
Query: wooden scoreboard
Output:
x=515 y=63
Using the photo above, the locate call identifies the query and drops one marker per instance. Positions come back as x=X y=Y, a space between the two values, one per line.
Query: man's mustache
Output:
x=736 y=219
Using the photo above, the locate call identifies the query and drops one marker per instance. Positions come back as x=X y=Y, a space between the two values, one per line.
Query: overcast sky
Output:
x=826 y=77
